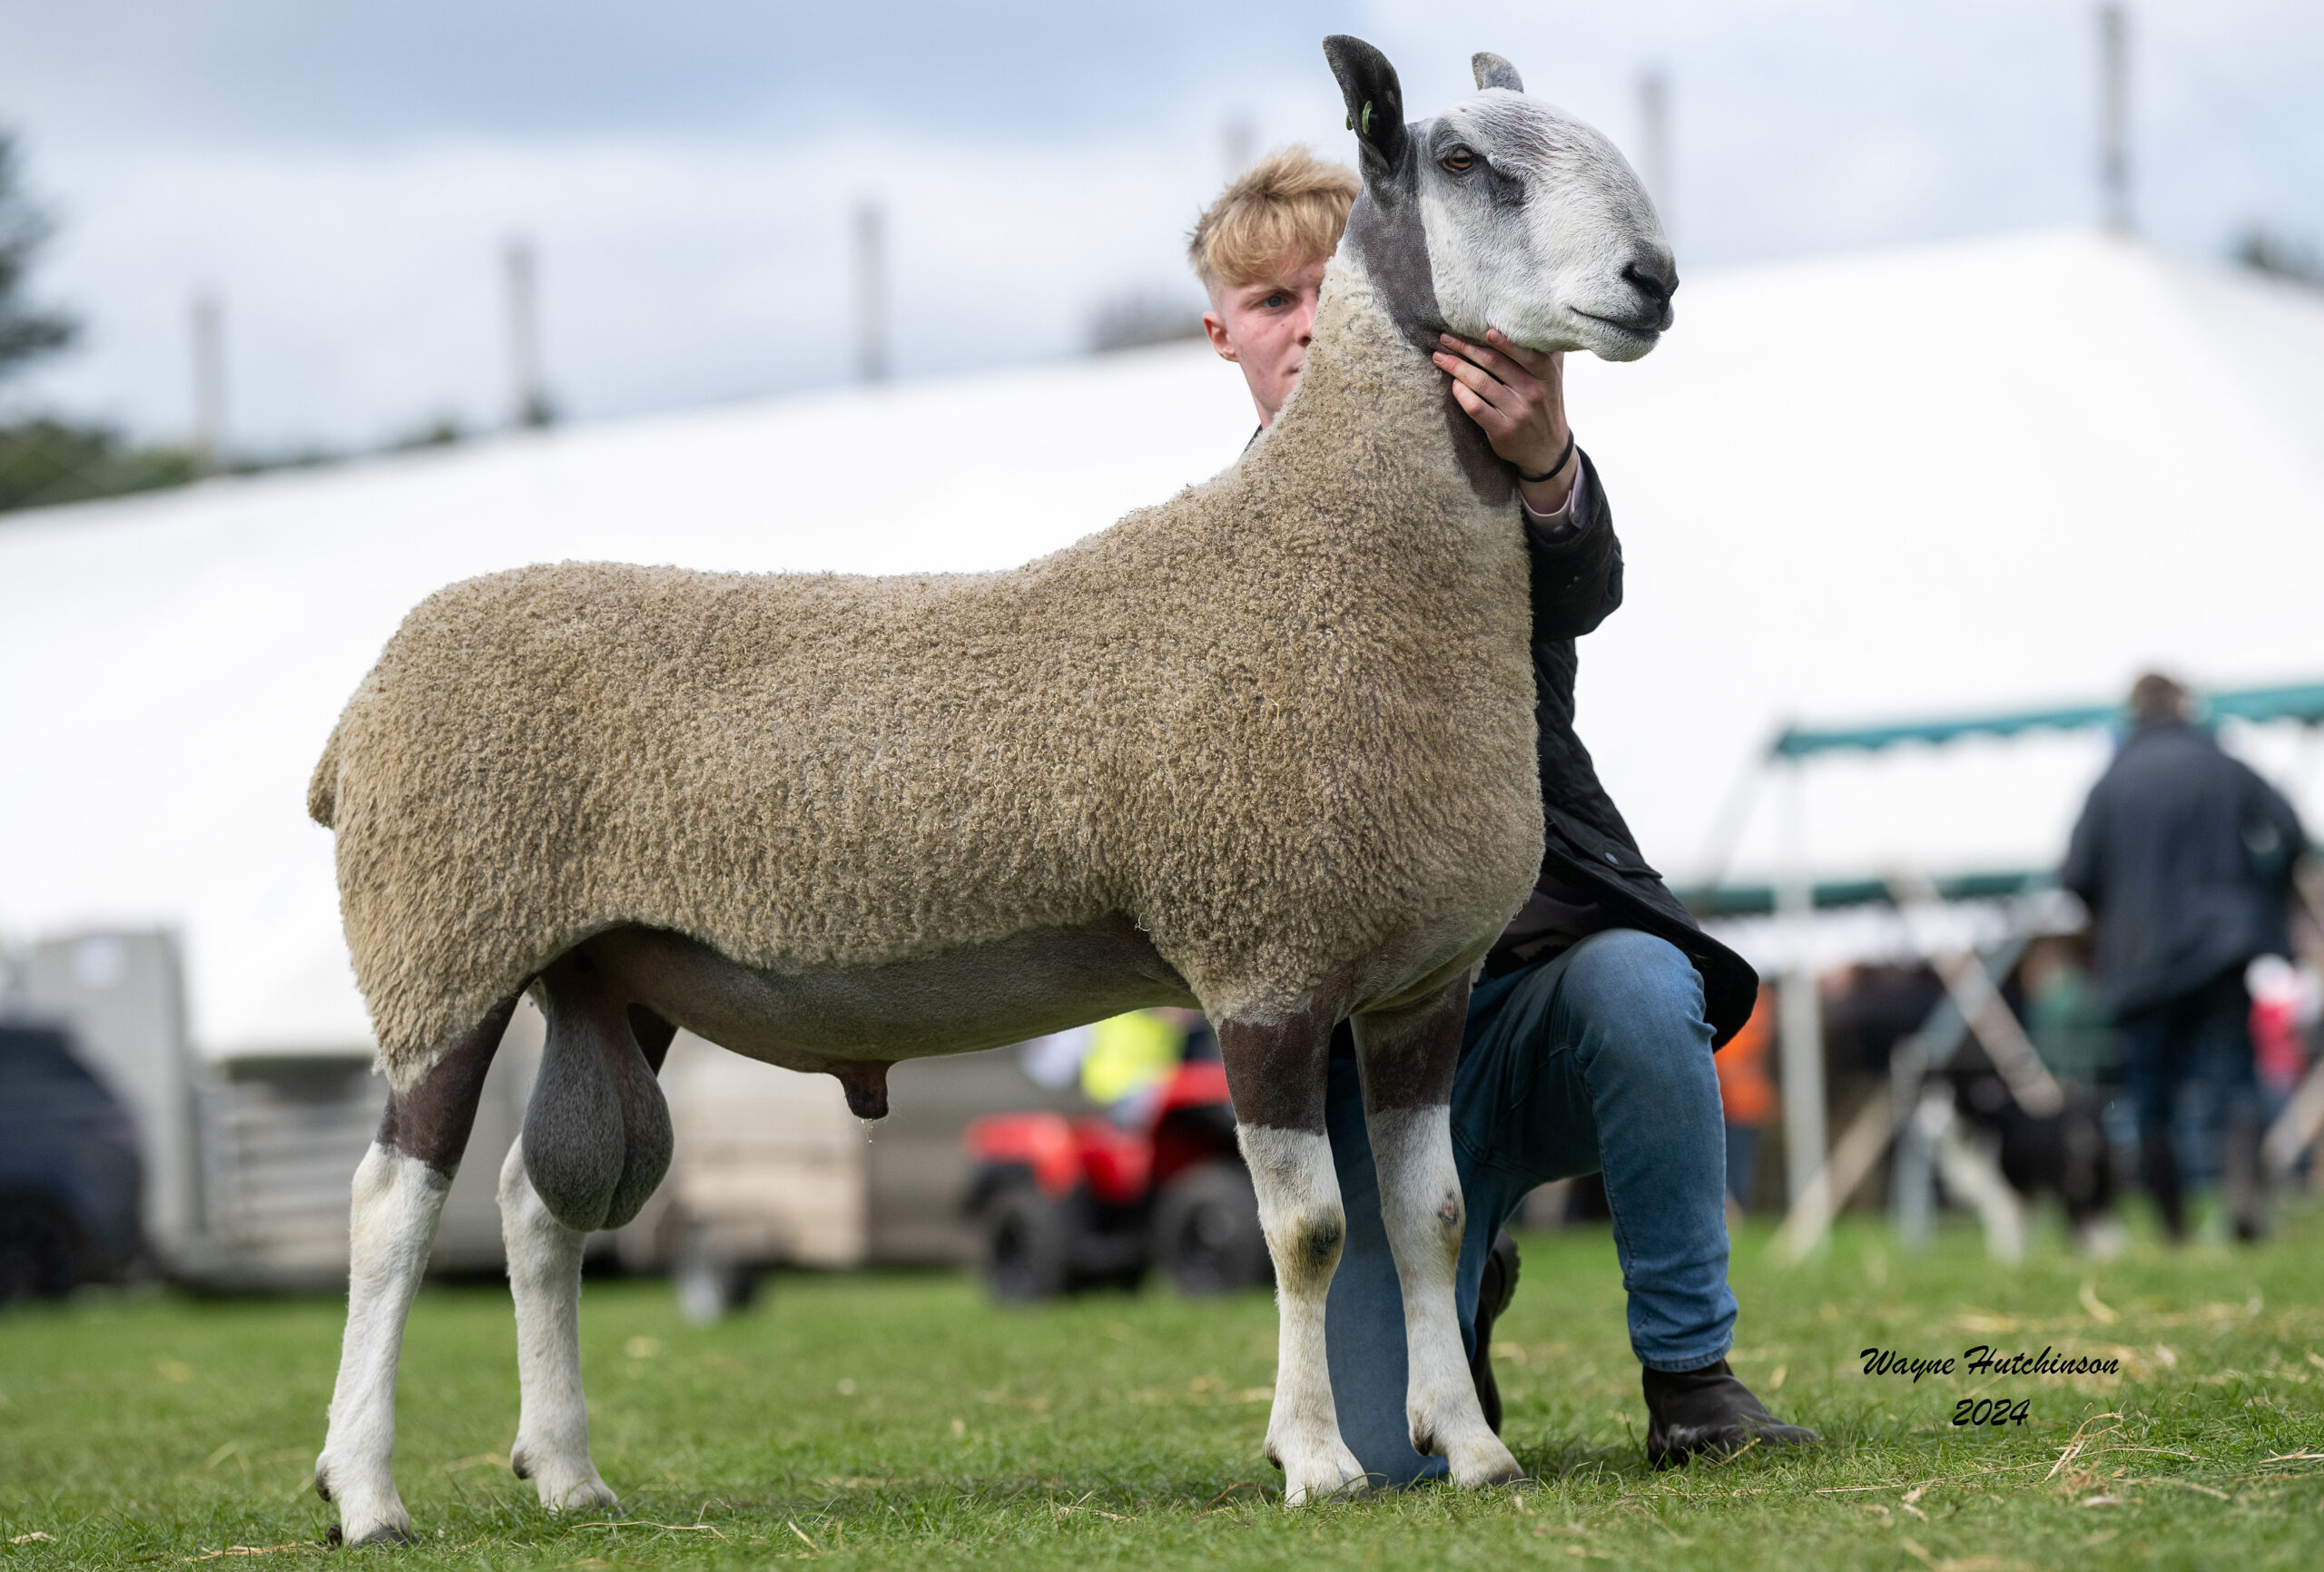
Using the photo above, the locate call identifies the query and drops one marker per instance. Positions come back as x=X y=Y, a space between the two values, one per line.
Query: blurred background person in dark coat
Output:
x=2184 y=857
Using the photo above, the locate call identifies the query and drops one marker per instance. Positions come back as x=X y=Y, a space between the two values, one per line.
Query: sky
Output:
x=344 y=178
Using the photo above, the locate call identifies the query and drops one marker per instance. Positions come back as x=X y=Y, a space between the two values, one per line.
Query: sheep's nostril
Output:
x=1653 y=283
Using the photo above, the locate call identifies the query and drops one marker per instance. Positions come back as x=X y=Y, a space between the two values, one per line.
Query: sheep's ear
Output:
x=1493 y=71
x=1376 y=101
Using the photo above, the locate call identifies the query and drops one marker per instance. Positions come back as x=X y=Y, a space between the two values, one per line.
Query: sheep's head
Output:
x=1502 y=212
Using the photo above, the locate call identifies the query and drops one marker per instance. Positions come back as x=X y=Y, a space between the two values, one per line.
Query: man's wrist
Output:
x=1548 y=498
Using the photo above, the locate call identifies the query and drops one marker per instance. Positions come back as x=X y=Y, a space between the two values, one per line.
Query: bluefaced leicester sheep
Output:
x=831 y=823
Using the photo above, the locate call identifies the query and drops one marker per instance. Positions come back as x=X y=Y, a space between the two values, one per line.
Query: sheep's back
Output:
x=799 y=771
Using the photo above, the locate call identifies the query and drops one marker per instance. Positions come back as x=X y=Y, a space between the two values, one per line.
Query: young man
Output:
x=1590 y=1036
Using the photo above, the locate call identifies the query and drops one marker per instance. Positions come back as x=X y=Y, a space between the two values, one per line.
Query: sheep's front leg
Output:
x=551 y=1445
x=398 y=1195
x=1275 y=1074
x=1407 y=1058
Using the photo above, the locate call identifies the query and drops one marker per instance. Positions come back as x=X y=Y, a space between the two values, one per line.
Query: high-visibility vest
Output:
x=1128 y=1054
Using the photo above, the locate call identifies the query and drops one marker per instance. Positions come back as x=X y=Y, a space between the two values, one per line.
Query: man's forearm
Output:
x=1577 y=563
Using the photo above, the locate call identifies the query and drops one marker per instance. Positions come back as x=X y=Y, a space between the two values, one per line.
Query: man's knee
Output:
x=1638 y=1002
x=1644 y=982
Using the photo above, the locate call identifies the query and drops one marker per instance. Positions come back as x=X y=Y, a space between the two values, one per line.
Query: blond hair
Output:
x=1289 y=204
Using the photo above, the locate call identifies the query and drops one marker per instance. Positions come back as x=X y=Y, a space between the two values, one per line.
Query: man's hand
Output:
x=1517 y=397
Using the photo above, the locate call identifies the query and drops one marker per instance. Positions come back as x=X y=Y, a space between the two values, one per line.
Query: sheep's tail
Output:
x=323 y=788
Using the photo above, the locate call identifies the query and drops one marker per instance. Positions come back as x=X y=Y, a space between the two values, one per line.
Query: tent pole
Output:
x=1799 y=1021
x=209 y=385
x=870 y=293
x=1914 y=1176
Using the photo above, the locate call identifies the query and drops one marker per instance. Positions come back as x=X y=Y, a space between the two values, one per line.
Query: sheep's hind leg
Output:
x=1407 y=1058
x=398 y=1195
x=1275 y=1074
x=551 y=1445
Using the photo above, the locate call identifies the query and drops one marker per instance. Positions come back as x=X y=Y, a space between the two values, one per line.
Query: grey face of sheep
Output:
x=1524 y=218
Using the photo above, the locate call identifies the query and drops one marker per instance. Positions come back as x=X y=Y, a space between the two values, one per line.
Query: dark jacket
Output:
x=2183 y=856
x=1587 y=848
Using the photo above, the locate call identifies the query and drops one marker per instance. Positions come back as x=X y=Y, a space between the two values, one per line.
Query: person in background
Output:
x=1123 y=1063
x=2285 y=1003
x=1746 y=1098
x=1132 y=1057
x=2064 y=1017
x=2183 y=856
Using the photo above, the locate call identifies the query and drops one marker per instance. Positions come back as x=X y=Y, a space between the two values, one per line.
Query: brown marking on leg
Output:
x=432 y=1121
x=1408 y=1057
x=1275 y=1070
x=865 y=1081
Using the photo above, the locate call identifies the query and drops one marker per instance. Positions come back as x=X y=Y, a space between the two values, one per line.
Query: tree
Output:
x=27 y=333
x=1138 y=318
x=45 y=459
x=2264 y=251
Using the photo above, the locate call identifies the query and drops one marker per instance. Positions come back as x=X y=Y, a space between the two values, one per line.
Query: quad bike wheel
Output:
x=1207 y=1232
x=1027 y=1244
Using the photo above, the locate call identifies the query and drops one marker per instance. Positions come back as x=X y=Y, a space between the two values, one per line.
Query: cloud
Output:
x=346 y=176
x=261 y=70
x=362 y=287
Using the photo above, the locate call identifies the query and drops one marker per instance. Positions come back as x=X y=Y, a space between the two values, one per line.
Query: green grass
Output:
x=899 y=1421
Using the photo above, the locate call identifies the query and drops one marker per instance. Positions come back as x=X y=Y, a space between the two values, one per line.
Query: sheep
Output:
x=831 y=823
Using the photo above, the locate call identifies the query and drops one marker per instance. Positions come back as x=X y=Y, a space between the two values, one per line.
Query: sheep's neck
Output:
x=1368 y=374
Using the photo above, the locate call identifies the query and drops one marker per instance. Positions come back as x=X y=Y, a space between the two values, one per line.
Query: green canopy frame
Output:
x=2304 y=703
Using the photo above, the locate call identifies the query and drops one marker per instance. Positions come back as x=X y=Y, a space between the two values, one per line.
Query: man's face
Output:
x=1265 y=326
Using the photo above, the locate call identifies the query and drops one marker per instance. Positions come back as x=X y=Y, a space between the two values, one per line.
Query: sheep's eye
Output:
x=1459 y=161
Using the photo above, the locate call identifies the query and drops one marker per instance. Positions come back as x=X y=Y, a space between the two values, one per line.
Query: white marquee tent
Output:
x=1957 y=477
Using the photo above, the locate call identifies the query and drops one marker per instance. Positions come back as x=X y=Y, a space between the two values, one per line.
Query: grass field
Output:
x=899 y=1421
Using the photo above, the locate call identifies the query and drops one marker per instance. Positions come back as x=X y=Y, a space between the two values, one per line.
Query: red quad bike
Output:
x=1069 y=1204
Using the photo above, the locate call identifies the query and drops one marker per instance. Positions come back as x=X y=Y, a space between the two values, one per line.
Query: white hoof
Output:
x=369 y=1510
x=565 y=1485
x=1481 y=1459
x=579 y=1495
x=1318 y=1473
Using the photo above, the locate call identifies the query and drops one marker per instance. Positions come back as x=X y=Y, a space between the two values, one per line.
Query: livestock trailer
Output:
x=249 y=1159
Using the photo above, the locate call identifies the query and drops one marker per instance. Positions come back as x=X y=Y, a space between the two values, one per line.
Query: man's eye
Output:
x=1276 y=302
x=1459 y=161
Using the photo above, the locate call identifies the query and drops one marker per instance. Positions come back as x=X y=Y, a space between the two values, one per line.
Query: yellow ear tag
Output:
x=1367 y=120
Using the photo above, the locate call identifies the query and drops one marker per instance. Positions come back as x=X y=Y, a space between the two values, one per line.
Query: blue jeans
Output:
x=1598 y=1059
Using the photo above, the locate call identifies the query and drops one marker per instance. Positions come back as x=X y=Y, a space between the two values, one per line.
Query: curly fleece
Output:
x=1282 y=721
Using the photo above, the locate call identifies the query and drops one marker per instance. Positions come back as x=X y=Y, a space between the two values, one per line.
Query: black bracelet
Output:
x=1551 y=472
